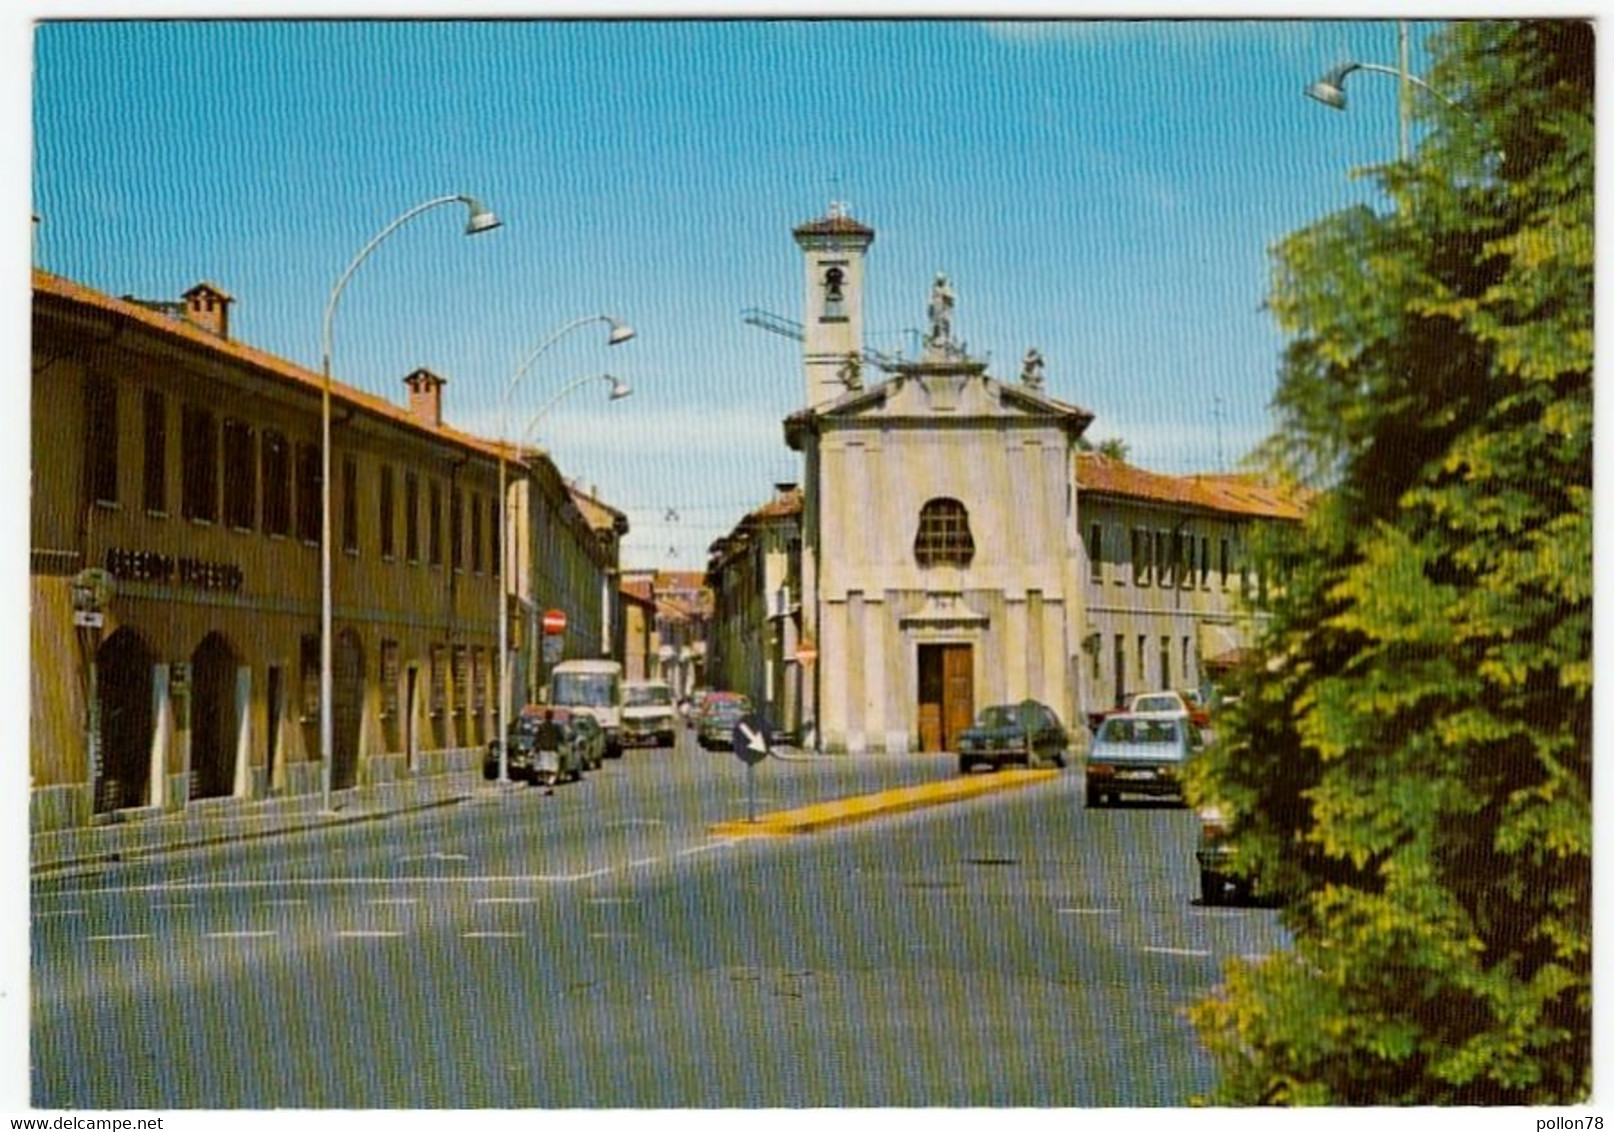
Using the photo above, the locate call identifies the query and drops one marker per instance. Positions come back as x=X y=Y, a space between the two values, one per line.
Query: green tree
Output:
x=1412 y=759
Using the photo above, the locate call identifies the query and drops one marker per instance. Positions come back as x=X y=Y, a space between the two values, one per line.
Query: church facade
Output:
x=939 y=537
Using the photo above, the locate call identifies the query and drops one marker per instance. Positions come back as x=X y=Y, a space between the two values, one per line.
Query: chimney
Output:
x=426 y=397
x=209 y=308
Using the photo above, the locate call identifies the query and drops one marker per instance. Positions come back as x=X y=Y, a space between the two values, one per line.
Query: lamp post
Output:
x=1330 y=89
x=620 y=333
x=481 y=220
x=619 y=389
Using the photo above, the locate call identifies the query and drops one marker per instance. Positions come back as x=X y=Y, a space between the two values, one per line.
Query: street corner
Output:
x=863 y=807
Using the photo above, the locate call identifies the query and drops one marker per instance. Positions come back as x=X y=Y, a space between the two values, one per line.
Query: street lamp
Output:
x=620 y=333
x=1330 y=89
x=480 y=220
x=619 y=389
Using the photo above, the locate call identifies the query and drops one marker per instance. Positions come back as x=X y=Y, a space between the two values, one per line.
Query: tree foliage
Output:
x=1412 y=761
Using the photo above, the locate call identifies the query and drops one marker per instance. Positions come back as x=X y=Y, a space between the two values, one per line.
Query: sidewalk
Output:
x=212 y=822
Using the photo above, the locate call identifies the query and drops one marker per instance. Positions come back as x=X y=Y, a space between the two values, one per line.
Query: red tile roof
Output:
x=62 y=288
x=833 y=226
x=1229 y=494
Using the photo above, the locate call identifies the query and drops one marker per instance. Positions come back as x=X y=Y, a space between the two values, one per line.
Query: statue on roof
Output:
x=941 y=314
x=1031 y=368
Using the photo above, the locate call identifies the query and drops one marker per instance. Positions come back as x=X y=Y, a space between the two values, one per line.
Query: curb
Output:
x=157 y=848
x=845 y=811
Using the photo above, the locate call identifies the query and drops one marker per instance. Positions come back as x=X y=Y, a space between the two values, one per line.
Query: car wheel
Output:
x=1059 y=760
x=1095 y=798
x=965 y=765
x=1210 y=887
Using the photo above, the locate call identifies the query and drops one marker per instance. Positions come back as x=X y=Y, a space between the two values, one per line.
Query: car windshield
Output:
x=658 y=694
x=1138 y=731
x=999 y=716
x=585 y=689
x=1157 y=703
x=726 y=709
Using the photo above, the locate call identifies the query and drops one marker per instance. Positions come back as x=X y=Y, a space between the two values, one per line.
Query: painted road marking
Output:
x=643 y=861
x=1088 y=911
x=435 y=857
x=1176 y=951
x=493 y=935
x=338 y=882
x=285 y=903
x=367 y=935
x=60 y=912
x=240 y=935
x=399 y=901
x=612 y=900
x=707 y=848
x=171 y=907
x=507 y=900
x=114 y=938
x=613 y=935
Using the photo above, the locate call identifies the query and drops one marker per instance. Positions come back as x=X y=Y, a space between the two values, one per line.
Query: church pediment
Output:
x=920 y=394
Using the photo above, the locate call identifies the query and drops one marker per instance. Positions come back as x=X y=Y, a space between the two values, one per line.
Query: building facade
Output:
x=175 y=580
x=754 y=575
x=955 y=547
x=1172 y=588
x=938 y=536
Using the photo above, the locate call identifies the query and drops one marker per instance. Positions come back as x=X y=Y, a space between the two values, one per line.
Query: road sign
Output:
x=750 y=740
x=554 y=649
x=555 y=621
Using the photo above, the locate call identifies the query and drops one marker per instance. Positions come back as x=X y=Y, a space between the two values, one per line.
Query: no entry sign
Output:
x=554 y=621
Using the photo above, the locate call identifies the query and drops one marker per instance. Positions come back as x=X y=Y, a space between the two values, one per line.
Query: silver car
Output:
x=1136 y=753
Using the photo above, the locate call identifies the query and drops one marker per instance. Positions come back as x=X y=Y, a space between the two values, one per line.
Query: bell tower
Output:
x=833 y=247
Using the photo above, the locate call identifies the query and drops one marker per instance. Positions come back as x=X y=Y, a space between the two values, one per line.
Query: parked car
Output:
x=592 y=737
x=649 y=718
x=1215 y=854
x=1170 y=702
x=1028 y=733
x=719 y=714
x=542 y=751
x=1135 y=753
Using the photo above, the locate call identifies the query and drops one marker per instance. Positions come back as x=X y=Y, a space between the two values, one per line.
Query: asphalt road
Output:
x=596 y=948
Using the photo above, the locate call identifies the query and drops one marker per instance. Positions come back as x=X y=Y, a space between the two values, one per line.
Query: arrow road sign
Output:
x=750 y=740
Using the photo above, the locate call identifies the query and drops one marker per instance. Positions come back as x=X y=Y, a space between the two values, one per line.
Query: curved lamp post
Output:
x=620 y=333
x=1330 y=89
x=619 y=389
x=480 y=220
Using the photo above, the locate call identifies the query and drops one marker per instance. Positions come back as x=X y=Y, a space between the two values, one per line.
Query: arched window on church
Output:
x=834 y=293
x=944 y=534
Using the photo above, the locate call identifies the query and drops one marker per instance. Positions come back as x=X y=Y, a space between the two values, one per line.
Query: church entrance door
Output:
x=946 y=695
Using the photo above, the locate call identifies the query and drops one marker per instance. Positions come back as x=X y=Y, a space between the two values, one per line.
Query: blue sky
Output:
x=1104 y=191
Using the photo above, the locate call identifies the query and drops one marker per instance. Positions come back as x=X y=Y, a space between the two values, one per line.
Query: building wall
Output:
x=1206 y=602
x=211 y=636
x=878 y=605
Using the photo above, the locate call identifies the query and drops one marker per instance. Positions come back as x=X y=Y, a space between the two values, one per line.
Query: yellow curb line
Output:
x=825 y=815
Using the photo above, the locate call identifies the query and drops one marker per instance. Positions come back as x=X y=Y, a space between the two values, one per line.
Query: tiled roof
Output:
x=833 y=226
x=600 y=516
x=639 y=588
x=65 y=289
x=784 y=504
x=1229 y=494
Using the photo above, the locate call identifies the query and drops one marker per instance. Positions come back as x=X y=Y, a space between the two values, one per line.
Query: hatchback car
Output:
x=1140 y=754
x=719 y=714
x=1028 y=733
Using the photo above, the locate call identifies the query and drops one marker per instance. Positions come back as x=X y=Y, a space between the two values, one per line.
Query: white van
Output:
x=591 y=687
x=649 y=716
